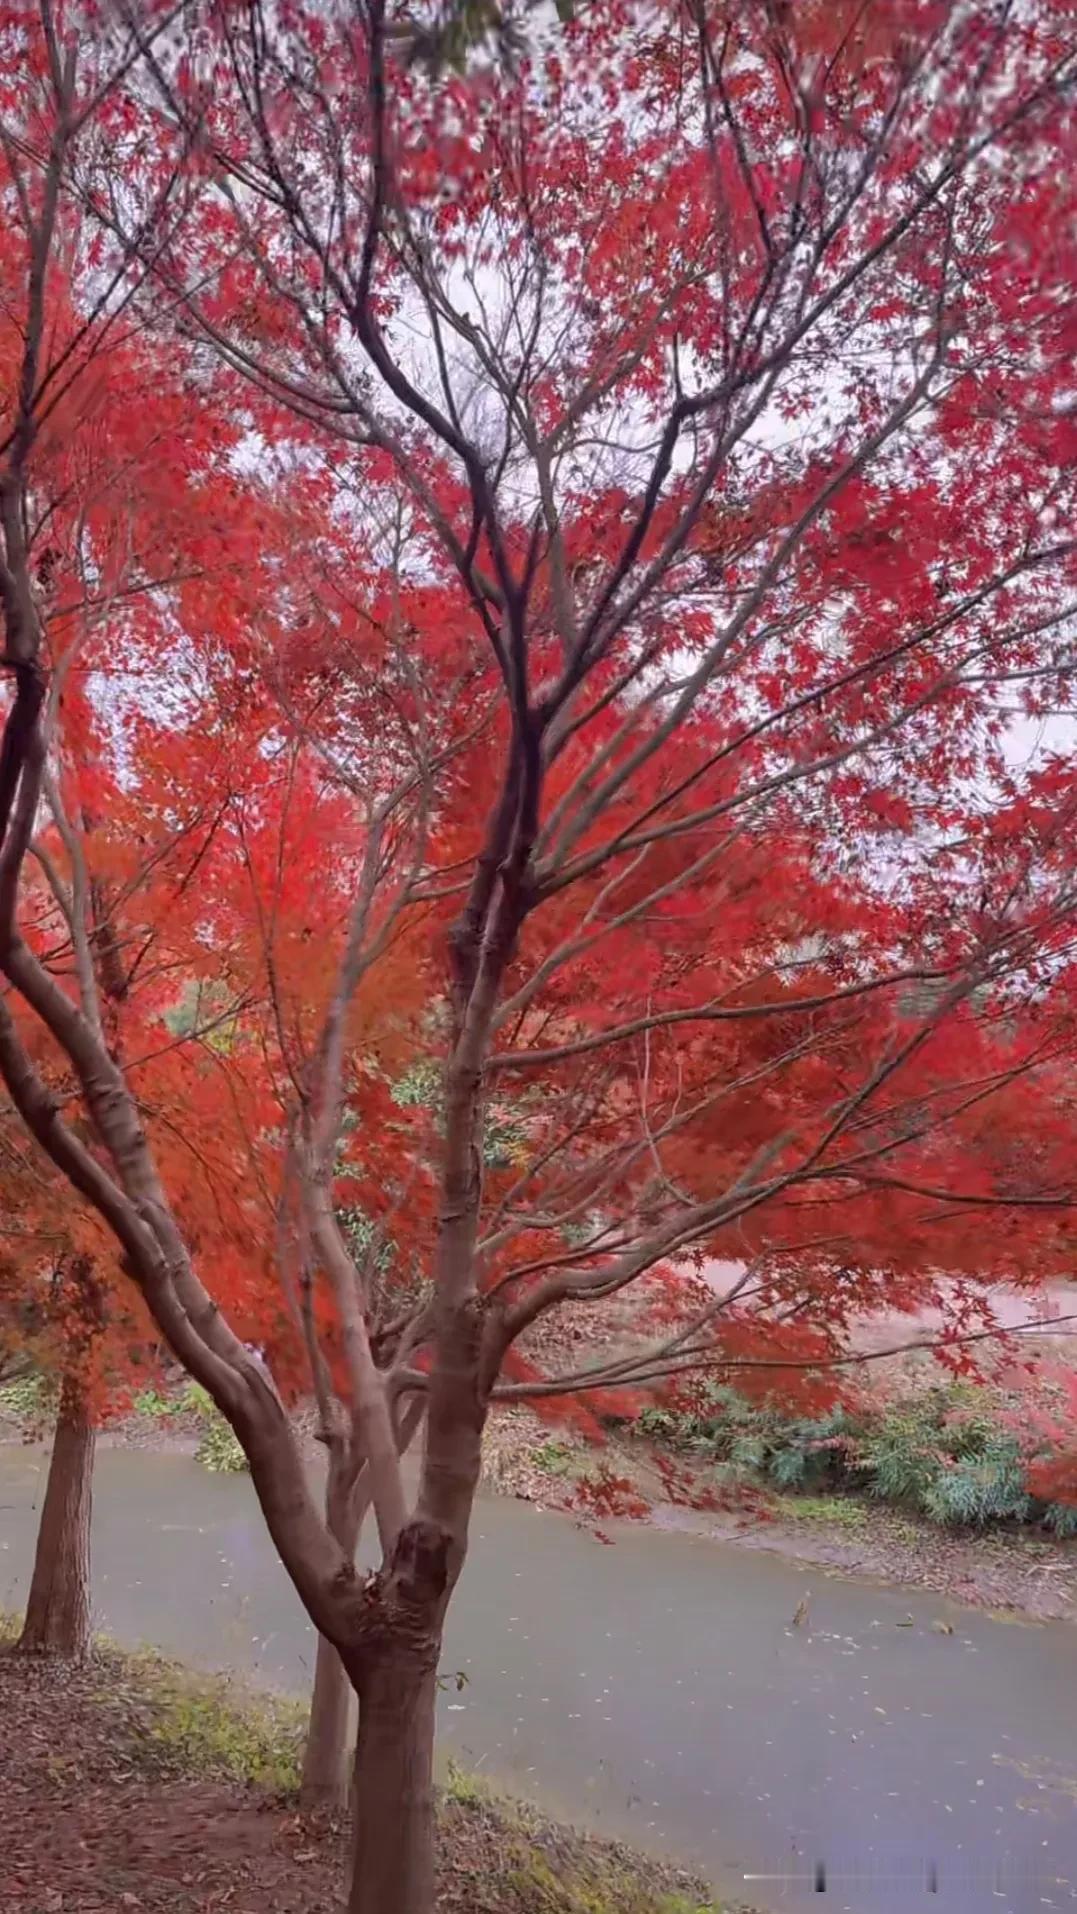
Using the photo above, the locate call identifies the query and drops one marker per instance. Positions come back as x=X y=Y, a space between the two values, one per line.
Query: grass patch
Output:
x=553 y=1457
x=607 y=1889
x=181 y=1723
x=166 y=1722
x=837 y=1511
x=514 y=1861
x=466 y=1789
x=903 y=1528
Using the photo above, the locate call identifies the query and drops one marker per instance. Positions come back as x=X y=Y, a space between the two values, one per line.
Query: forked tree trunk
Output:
x=328 y=1774
x=393 y=1856
x=393 y=1660
x=58 y=1610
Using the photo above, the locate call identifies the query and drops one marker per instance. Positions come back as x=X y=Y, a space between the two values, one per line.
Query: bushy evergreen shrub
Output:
x=946 y=1453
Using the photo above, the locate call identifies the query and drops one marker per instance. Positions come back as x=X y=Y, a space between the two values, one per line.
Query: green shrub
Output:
x=799 y=1452
x=660 y=1423
x=150 y=1402
x=748 y=1451
x=988 y=1486
x=811 y=1452
x=900 y=1456
x=756 y=1438
x=29 y=1399
x=945 y=1453
x=1061 y=1518
x=789 y=1466
x=218 y=1447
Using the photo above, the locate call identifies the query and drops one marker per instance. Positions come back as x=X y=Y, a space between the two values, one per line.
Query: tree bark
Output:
x=324 y=1781
x=58 y=1610
x=325 y=1778
x=393 y=1859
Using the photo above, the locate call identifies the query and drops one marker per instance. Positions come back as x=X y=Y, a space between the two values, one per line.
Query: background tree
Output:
x=713 y=391
x=126 y=485
x=57 y=1617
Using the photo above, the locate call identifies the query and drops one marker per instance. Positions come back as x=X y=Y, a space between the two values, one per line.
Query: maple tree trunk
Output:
x=58 y=1610
x=396 y=1657
x=324 y=1781
x=393 y=1858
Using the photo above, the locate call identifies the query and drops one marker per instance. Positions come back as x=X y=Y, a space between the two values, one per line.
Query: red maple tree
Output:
x=683 y=421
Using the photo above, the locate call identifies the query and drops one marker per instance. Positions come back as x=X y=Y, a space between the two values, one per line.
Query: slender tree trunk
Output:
x=393 y=1861
x=324 y=1781
x=58 y=1611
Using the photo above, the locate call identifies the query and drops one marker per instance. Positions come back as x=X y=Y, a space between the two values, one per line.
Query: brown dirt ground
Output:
x=126 y=1786
x=1005 y=1572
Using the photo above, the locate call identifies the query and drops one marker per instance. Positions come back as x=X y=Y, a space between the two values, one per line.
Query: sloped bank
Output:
x=1004 y=1568
x=131 y=1784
